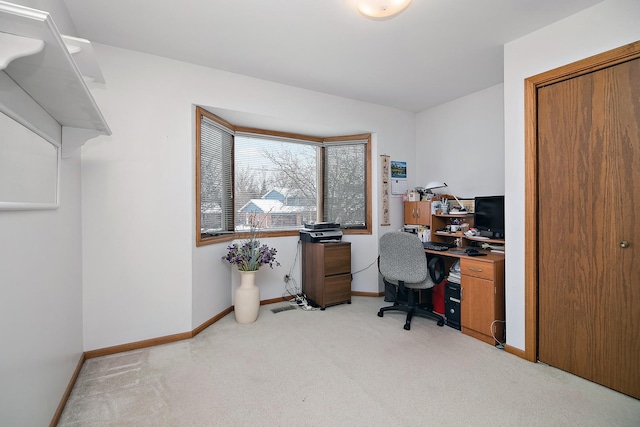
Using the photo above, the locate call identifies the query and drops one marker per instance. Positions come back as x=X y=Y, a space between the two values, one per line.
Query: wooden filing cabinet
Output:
x=482 y=298
x=417 y=213
x=326 y=272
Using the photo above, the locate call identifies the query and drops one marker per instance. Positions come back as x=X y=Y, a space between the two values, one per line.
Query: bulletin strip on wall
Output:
x=384 y=171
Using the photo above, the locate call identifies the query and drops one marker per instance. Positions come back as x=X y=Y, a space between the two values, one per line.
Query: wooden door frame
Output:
x=531 y=85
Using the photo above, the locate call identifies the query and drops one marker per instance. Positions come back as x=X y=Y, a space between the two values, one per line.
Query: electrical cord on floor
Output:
x=296 y=297
x=500 y=345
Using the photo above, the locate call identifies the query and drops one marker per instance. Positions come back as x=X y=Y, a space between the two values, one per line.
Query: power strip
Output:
x=302 y=302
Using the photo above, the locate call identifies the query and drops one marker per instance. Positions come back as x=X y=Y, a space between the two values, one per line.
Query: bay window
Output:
x=277 y=181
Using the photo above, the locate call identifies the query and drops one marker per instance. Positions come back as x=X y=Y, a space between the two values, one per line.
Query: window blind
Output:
x=345 y=184
x=216 y=178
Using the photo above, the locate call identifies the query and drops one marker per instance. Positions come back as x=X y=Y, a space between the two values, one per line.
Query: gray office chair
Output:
x=402 y=262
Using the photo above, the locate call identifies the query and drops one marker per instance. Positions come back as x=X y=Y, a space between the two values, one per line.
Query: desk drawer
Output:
x=474 y=268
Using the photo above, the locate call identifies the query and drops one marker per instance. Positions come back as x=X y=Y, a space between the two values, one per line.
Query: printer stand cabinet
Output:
x=326 y=272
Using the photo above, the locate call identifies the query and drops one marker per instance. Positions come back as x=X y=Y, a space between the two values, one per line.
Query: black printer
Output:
x=321 y=232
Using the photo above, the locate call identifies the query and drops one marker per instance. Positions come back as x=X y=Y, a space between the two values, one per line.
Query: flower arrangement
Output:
x=251 y=255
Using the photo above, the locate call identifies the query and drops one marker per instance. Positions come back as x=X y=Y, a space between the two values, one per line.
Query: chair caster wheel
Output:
x=380 y=313
x=407 y=327
x=440 y=323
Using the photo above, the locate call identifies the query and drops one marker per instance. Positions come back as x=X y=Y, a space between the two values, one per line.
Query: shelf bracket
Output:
x=14 y=47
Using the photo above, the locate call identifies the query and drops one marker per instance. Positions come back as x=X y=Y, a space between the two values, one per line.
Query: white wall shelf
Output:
x=48 y=73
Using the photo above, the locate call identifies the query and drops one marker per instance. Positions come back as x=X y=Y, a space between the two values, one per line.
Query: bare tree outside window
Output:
x=287 y=173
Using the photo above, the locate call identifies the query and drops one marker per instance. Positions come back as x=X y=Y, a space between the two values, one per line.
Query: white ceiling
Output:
x=433 y=52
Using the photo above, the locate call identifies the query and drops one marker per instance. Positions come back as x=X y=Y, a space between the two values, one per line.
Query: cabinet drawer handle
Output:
x=413 y=212
x=418 y=210
x=479 y=270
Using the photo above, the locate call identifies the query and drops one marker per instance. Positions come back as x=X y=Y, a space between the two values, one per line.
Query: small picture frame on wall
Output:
x=398 y=170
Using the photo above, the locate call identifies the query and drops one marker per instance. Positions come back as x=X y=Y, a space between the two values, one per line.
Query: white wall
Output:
x=41 y=289
x=462 y=143
x=603 y=27
x=143 y=275
x=40 y=304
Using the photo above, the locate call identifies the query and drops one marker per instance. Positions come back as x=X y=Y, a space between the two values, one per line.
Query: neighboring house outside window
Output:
x=276 y=210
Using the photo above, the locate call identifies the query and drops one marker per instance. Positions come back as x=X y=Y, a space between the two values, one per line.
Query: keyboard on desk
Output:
x=435 y=246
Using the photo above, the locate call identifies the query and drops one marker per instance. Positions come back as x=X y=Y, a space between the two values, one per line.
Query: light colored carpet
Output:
x=344 y=366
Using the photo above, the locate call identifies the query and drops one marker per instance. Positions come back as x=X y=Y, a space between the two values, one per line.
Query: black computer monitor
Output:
x=488 y=216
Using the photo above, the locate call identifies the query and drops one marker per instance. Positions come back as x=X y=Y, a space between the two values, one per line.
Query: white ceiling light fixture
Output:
x=381 y=9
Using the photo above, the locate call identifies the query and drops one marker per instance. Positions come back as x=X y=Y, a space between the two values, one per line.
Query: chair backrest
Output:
x=402 y=257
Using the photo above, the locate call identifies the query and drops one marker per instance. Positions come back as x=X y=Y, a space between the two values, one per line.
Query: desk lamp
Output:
x=436 y=184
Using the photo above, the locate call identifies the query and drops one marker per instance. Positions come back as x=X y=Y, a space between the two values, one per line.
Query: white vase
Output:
x=246 y=303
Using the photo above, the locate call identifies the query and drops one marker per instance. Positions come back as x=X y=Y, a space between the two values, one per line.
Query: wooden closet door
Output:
x=589 y=205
